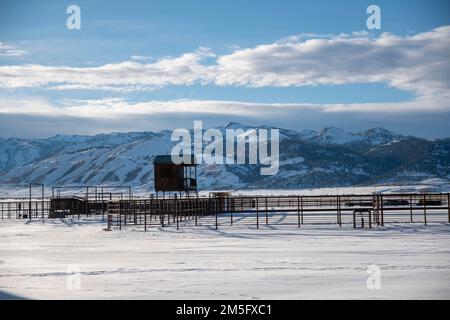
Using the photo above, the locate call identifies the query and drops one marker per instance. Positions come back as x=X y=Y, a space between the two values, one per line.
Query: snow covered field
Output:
x=72 y=260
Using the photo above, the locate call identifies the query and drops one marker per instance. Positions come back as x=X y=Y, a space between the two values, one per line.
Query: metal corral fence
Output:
x=253 y=211
x=24 y=209
x=357 y=210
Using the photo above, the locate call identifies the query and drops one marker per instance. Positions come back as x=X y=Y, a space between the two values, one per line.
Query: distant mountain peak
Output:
x=232 y=123
x=379 y=131
x=333 y=135
x=235 y=125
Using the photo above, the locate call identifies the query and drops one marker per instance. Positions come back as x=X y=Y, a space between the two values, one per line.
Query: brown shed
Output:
x=173 y=177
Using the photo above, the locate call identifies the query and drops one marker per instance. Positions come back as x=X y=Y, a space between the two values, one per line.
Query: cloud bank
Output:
x=417 y=63
x=38 y=117
x=111 y=108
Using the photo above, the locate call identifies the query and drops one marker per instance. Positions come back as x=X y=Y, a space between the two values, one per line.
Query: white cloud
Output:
x=124 y=76
x=419 y=63
x=116 y=108
x=416 y=63
x=137 y=57
x=10 y=51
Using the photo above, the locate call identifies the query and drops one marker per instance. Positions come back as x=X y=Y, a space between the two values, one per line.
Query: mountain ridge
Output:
x=326 y=158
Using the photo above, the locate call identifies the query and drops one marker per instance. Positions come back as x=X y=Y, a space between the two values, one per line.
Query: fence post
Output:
x=448 y=206
x=161 y=212
x=425 y=209
x=267 y=214
x=410 y=208
x=203 y=205
x=340 y=212
x=257 y=213
x=126 y=207
x=354 y=219
x=382 y=211
x=134 y=211
x=145 y=215
x=231 y=216
x=176 y=211
x=337 y=209
x=215 y=211
x=301 y=209
x=42 y=203
x=29 y=206
x=109 y=222
x=298 y=211
x=166 y=208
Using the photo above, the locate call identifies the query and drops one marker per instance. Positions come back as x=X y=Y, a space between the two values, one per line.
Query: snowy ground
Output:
x=36 y=261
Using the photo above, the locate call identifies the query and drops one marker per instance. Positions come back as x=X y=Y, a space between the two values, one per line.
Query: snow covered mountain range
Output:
x=327 y=158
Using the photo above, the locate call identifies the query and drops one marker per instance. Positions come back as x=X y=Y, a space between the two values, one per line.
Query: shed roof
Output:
x=167 y=159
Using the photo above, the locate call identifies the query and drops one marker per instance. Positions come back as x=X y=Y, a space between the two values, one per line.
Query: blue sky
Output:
x=229 y=37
